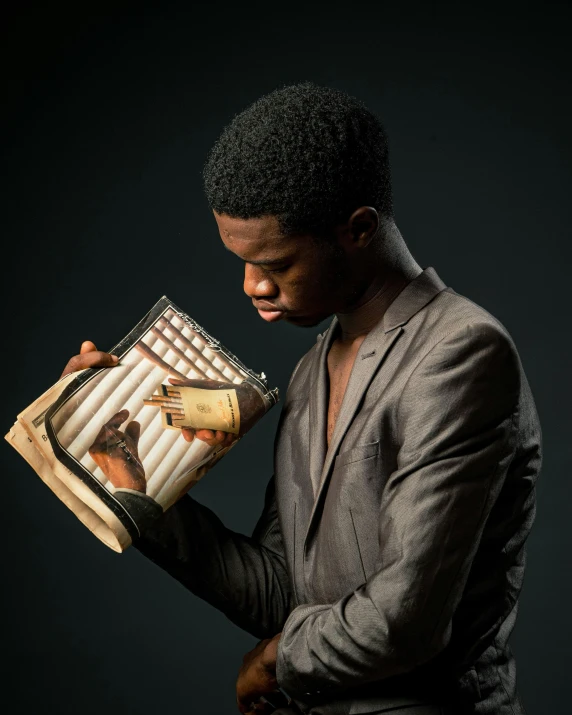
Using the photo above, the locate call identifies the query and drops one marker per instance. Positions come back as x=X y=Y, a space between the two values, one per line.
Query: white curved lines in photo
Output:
x=177 y=462
x=220 y=369
x=181 y=478
x=115 y=390
x=114 y=386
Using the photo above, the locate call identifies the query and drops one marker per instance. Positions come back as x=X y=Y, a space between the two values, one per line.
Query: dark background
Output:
x=109 y=112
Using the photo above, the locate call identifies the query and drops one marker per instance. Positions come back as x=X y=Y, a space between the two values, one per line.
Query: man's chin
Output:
x=304 y=321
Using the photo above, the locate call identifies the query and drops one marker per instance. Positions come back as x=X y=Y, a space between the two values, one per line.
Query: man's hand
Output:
x=213 y=438
x=115 y=453
x=257 y=676
x=89 y=356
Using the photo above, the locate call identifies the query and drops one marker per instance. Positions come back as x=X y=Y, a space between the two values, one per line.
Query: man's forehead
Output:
x=262 y=228
x=255 y=240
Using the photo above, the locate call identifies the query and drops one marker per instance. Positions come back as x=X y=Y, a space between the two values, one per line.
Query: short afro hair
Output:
x=307 y=154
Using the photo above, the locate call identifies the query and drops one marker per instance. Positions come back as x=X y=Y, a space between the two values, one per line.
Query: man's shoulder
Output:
x=451 y=314
x=455 y=331
x=459 y=310
x=454 y=325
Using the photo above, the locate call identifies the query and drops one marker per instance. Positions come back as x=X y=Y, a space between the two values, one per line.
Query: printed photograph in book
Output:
x=143 y=432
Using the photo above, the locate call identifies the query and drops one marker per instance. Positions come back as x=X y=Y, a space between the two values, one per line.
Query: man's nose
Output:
x=257 y=284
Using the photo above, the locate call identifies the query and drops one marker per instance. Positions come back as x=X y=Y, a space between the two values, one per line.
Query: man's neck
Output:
x=370 y=309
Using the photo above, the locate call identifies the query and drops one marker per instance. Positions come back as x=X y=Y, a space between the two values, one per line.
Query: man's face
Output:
x=292 y=278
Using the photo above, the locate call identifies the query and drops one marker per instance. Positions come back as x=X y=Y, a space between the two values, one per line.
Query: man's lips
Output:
x=269 y=312
x=270 y=315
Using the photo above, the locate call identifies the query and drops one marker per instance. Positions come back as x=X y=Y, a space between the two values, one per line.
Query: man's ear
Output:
x=363 y=225
x=359 y=230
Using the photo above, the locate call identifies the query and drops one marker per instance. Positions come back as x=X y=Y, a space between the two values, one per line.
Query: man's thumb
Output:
x=87 y=347
x=133 y=430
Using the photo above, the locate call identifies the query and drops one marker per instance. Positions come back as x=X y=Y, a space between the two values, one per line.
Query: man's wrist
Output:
x=269 y=656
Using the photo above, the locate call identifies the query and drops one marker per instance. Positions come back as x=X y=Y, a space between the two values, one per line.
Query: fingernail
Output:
x=115 y=358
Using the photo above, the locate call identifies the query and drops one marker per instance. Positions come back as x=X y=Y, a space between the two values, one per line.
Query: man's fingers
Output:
x=188 y=434
x=95 y=358
x=92 y=358
x=100 y=443
x=213 y=438
x=204 y=434
x=117 y=420
x=87 y=347
x=207 y=436
x=133 y=430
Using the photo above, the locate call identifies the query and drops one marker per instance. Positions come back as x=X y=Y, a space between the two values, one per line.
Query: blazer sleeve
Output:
x=456 y=422
x=245 y=577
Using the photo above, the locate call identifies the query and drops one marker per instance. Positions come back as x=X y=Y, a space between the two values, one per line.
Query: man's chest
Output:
x=340 y=362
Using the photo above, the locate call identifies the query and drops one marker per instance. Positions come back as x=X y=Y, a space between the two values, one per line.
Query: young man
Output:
x=384 y=572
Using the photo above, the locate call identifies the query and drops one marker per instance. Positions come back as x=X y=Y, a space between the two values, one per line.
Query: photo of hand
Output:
x=115 y=451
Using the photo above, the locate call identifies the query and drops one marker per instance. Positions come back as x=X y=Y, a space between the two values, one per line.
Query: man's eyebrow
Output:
x=268 y=262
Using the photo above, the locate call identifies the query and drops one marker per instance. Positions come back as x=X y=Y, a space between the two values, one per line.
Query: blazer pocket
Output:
x=356 y=454
x=358 y=486
x=360 y=549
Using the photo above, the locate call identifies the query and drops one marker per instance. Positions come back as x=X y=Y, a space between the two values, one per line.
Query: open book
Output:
x=119 y=445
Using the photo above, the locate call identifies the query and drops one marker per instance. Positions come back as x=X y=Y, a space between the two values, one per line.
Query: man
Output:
x=384 y=572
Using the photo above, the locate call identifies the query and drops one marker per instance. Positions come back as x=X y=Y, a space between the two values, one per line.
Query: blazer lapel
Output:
x=319 y=388
x=371 y=354
x=365 y=366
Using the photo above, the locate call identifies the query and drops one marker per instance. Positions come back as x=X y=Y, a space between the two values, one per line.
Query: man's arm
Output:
x=244 y=577
x=456 y=421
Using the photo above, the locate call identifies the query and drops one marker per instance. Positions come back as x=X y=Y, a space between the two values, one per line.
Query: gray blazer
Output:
x=392 y=561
